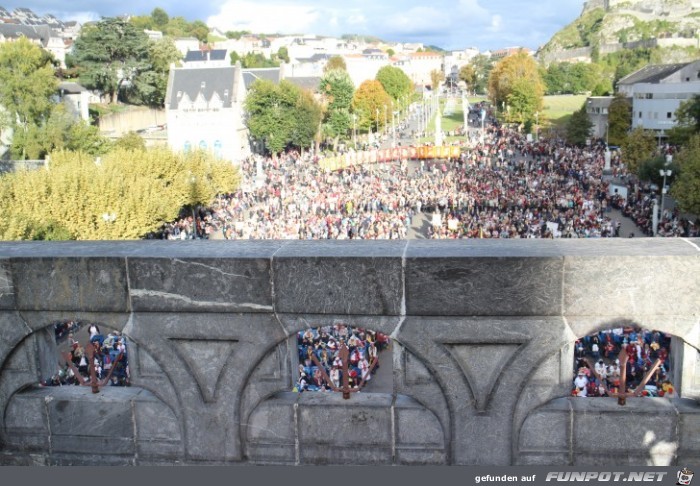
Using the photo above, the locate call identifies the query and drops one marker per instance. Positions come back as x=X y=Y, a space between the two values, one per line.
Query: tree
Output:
x=638 y=147
x=200 y=30
x=649 y=170
x=390 y=52
x=150 y=86
x=337 y=90
x=619 y=119
x=160 y=18
x=482 y=67
x=283 y=54
x=467 y=73
x=369 y=102
x=578 y=127
x=307 y=120
x=436 y=77
x=111 y=54
x=517 y=77
x=127 y=195
x=235 y=57
x=686 y=189
x=130 y=141
x=281 y=115
x=27 y=84
x=395 y=82
x=335 y=62
x=688 y=121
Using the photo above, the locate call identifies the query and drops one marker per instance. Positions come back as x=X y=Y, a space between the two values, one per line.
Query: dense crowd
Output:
x=503 y=186
x=319 y=349
x=597 y=368
x=110 y=357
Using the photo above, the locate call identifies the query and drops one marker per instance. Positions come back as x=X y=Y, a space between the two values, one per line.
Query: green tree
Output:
x=111 y=55
x=467 y=73
x=619 y=119
x=523 y=102
x=130 y=141
x=369 y=102
x=517 y=77
x=649 y=170
x=395 y=82
x=283 y=54
x=688 y=121
x=27 y=84
x=150 y=86
x=390 y=52
x=337 y=90
x=281 y=115
x=257 y=60
x=200 y=30
x=235 y=57
x=638 y=147
x=335 y=62
x=307 y=120
x=686 y=189
x=578 y=127
x=160 y=18
x=482 y=67
x=236 y=34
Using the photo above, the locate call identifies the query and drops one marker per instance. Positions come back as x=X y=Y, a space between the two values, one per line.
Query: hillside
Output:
x=607 y=26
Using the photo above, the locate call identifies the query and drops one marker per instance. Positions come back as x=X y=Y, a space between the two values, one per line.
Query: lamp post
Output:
x=376 y=119
x=354 y=130
x=385 y=123
x=664 y=173
x=537 y=126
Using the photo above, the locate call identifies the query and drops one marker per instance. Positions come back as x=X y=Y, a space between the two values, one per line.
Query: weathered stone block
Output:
x=688 y=425
x=600 y=425
x=631 y=285
x=202 y=284
x=272 y=453
x=85 y=417
x=273 y=421
x=339 y=278
x=363 y=422
x=415 y=425
x=547 y=429
x=420 y=456
x=71 y=284
x=542 y=459
x=7 y=290
x=155 y=420
x=349 y=455
x=472 y=280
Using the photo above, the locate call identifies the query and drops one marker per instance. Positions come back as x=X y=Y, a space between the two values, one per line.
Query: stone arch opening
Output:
x=46 y=415
x=555 y=427
x=378 y=425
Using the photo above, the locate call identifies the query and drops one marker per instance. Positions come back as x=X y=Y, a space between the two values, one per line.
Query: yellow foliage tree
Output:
x=515 y=81
x=126 y=194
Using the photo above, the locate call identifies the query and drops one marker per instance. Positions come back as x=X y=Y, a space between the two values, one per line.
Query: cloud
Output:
x=418 y=20
x=265 y=17
x=496 y=22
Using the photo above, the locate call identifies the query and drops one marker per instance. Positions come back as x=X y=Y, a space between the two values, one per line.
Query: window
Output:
x=640 y=114
x=669 y=115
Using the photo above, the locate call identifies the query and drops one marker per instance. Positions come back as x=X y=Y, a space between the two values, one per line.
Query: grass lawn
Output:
x=558 y=108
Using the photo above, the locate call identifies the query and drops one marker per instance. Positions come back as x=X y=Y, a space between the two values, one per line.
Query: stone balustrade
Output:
x=482 y=334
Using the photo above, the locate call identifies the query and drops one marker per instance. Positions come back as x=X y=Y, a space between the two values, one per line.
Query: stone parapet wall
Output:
x=483 y=335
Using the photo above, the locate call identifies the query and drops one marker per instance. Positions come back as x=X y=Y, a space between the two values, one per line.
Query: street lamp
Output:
x=354 y=130
x=537 y=126
x=664 y=173
x=376 y=119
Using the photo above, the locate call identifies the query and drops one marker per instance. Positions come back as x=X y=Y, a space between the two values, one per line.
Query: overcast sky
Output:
x=450 y=24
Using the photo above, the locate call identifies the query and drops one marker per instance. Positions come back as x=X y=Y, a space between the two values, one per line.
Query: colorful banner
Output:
x=349 y=159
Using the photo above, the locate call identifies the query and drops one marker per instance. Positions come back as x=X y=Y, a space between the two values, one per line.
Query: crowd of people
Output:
x=597 y=369
x=503 y=186
x=110 y=356
x=321 y=367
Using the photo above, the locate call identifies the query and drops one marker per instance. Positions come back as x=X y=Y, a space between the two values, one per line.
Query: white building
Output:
x=657 y=91
x=204 y=109
x=419 y=66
